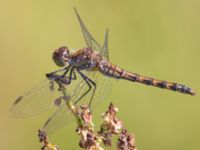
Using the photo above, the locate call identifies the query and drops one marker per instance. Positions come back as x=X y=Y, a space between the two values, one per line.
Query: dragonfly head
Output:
x=61 y=56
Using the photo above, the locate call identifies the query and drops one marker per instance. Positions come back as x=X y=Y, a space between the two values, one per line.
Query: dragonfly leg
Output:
x=94 y=84
x=88 y=81
x=49 y=75
x=62 y=78
x=66 y=71
x=54 y=76
x=72 y=75
x=89 y=85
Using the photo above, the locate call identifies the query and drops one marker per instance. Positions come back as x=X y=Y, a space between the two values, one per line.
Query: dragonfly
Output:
x=85 y=74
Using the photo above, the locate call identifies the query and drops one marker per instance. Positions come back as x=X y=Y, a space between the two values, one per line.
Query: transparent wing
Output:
x=78 y=87
x=59 y=119
x=104 y=52
x=36 y=100
x=90 y=41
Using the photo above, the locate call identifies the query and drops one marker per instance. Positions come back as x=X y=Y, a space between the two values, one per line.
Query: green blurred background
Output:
x=155 y=38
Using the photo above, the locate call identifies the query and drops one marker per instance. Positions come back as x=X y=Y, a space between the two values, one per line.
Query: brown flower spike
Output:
x=89 y=140
x=111 y=125
x=126 y=141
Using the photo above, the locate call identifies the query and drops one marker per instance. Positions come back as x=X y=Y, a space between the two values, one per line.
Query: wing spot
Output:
x=18 y=100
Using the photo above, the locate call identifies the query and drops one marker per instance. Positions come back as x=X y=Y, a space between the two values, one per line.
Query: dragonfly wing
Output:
x=90 y=41
x=104 y=52
x=59 y=119
x=36 y=100
x=77 y=88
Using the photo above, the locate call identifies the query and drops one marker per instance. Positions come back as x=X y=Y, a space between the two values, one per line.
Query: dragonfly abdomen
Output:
x=117 y=72
x=159 y=83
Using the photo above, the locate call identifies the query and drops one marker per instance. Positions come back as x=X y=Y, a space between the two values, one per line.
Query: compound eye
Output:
x=60 y=56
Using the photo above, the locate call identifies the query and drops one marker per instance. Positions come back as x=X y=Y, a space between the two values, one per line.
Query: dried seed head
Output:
x=43 y=139
x=86 y=115
x=89 y=140
x=110 y=120
x=126 y=141
x=111 y=125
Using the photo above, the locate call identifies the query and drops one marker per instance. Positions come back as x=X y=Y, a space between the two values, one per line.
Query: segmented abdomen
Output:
x=117 y=72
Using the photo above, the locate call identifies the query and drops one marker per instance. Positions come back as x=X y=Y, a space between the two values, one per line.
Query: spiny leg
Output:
x=66 y=71
x=72 y=75
x=49 y=75
x=54 y=76
x=88 y=81
x=63 y=80
x=85 y=79
x=94 y=84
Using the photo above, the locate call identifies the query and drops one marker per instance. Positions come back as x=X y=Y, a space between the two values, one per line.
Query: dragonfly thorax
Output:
x=61 y=56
